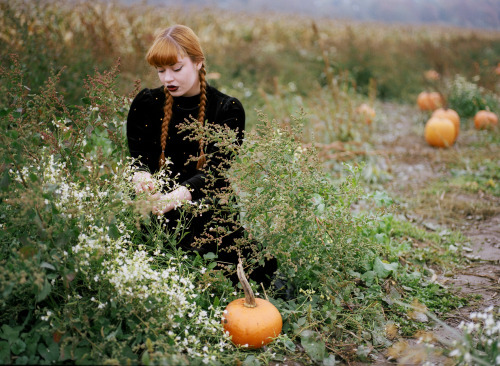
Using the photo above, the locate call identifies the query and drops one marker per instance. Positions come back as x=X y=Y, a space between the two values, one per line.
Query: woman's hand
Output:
x=163 y=203
x=143 y=182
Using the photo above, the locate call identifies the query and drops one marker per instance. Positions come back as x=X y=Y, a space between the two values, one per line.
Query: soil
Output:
x=412 y=165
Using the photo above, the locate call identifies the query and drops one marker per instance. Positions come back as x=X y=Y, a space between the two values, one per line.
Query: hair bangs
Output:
x=164 y=52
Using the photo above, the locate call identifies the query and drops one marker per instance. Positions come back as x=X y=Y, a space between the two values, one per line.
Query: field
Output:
x=389 y=247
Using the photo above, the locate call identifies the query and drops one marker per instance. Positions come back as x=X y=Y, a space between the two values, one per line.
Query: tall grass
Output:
x=250 y=51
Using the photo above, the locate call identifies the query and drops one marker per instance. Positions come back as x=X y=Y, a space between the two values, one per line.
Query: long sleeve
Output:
x=143 y=127
x=231 y=114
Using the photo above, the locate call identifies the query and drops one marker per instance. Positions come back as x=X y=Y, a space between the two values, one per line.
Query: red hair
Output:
x=168 y=45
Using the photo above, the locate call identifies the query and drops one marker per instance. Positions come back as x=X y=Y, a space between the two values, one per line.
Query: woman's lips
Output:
x=172 y=88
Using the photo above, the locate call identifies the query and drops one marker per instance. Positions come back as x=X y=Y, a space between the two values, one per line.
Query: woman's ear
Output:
x=199 y=65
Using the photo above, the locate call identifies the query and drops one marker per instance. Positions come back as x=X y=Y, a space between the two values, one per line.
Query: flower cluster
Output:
x=480 y=342
x=108 y=255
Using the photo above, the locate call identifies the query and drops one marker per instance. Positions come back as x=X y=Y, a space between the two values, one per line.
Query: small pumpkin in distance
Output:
x=423 y=101
x=251 y=321
x=429 y=101
x=431 y=75
x=451 y=114
x=439 y=132
x=485 y=119
x=367 y=113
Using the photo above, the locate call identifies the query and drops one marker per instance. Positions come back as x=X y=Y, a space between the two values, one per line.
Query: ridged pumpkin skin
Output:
x=253 y=326
x=485 y=119
x=439 y=132
x=451 y=115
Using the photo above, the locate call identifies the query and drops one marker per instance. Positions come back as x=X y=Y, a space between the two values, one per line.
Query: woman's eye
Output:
x=160 y=71
x=178 y=69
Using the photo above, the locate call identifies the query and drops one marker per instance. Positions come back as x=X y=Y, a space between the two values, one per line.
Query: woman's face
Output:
x=181 y=79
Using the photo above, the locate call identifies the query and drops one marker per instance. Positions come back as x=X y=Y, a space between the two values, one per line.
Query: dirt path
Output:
x=413 y=165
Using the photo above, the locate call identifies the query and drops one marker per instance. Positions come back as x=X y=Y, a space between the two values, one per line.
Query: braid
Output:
x=201 y=113
x=167 y=111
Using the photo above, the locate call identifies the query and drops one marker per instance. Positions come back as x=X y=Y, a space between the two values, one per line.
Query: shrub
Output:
x=80 y=280
x=467 y=98
x=299 y=214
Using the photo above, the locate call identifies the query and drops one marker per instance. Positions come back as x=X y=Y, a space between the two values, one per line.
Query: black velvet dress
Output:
x=144 y=132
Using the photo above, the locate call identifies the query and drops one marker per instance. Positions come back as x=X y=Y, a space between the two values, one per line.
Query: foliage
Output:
x=467 y=97
x=310 y=226
x=80 y=280
x=105 y=282
x=484 y=179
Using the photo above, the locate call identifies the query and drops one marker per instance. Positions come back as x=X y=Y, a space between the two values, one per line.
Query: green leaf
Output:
x=363 y=352
x=8 y=287
x=32 y=342
x=329 y=361
x=145 y=360
x=5 y=180
x=23 y=360
x=48 y=266
x=368 y=277
x=4 y=353
x=10 y=334
x=289 y=345
x=50 y=353
x=113 y=232
x=33 y=177
x=251 y=361
x=44 y=292
x=13 y=134
x=381 y=238
x=383 y=269
x=18 y=346
x=313 y=345
x=382 y=198
x=209 y=256
x=5 y=111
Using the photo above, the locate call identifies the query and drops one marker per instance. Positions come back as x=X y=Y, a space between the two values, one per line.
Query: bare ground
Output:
x=413 y=165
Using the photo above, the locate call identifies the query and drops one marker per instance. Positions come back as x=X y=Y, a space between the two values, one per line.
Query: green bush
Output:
x=298 y=211
x=467 y=98
x=80 y=280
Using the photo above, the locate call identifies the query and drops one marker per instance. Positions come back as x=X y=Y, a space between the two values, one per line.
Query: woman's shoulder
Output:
x=223 y=101
x=147 y=105
x=149 y=96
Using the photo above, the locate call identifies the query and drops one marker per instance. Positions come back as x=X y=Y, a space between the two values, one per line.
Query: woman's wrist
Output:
x=183 y=194
x=172 y=200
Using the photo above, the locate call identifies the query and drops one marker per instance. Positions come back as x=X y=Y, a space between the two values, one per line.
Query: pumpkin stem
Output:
x=249 y=296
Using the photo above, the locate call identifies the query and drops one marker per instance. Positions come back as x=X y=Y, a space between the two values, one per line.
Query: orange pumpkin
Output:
x=429 y=101
x=432 y=75
x=367 y=113
x=485 y=119
x=439 y=132
x=251 y=321
x=451 y=115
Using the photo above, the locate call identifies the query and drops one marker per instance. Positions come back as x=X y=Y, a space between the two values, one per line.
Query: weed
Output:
x=467 y=97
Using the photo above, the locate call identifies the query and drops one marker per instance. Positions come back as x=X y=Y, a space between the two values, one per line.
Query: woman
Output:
x=155 y=138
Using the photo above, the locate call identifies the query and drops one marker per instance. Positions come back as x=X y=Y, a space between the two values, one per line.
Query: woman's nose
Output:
x=169 y=76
